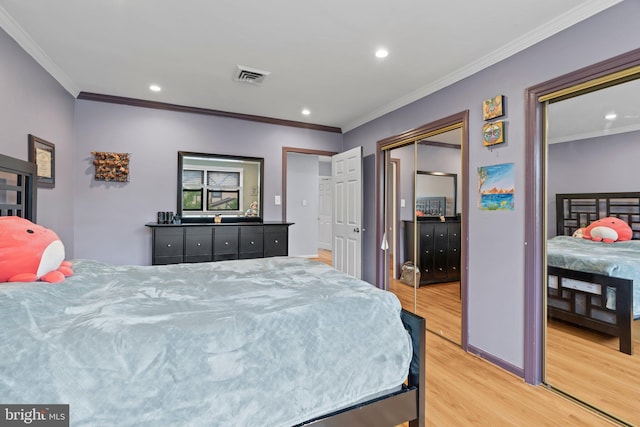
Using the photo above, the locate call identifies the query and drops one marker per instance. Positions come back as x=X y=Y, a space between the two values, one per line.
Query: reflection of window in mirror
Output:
x=211 y=185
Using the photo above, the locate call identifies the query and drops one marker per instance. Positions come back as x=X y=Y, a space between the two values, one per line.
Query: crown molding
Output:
x=561 y=22
x=32 y=48
x=134 y=102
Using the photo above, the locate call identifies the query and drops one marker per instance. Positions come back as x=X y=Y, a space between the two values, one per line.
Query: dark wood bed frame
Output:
x=578 y=210
x=18 y=197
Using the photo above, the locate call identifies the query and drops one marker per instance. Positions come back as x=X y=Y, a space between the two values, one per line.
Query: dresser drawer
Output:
x=168 y=245
x=225 y=243
x=276 y=240
x=198 y=244
x=251 y=242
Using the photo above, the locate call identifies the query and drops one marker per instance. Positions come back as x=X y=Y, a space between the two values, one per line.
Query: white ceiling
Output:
x=584 y=116
x=320 y=54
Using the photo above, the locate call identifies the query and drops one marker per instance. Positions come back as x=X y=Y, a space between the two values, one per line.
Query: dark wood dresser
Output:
x=438 y=248
x=203 y=242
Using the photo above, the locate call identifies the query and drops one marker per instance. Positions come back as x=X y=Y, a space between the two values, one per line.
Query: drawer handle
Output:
x=198 y=244
x=253 y=243
x=168 y=245
x=276 y=241
x=441 y=250
x=441 y=235
x=426 y=252
x=454 y=268
x=455 y=250
x=226 y=243
x=440 y=269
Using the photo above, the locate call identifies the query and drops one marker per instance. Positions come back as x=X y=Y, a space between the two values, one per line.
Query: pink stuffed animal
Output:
x=30 y=252
x=608 y=230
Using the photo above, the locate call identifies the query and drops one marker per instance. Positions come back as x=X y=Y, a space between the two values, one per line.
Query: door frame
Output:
x=601 y=73
x=453 y=121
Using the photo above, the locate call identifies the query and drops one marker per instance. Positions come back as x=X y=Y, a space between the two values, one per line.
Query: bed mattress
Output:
x=269 y=342
x=618 y=259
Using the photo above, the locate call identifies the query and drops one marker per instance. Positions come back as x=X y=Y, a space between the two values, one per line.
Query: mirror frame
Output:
x=455 y=190
x=209 y=217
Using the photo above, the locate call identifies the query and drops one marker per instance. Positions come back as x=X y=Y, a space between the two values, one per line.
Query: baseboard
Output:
x=496 y=361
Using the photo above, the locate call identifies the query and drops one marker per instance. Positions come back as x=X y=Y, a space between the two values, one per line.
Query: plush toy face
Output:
x=30 y=252
x=608 y=230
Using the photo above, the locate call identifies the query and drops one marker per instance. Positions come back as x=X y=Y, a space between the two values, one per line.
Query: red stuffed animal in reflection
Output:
x=30 y=252
x=608 y=230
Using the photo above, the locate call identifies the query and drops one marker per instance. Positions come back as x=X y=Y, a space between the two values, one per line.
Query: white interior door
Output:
x=346 y=170
x=325 y=213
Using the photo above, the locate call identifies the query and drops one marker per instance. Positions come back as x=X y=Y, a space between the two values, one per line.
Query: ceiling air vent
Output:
x=249 y=75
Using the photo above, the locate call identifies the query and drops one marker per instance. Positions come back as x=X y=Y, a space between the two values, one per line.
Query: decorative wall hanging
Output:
x=111 y=166
x=493 y=133
x=43 y=154
x=496 y=187
x=493 y=107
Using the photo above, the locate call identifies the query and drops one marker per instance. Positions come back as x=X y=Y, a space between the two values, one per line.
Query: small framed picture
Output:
x=493 y=133
x=43 y=154
x=493 y=107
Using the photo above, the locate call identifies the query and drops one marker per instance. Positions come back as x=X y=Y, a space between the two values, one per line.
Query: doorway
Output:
x=402 y=153
x=316 y=167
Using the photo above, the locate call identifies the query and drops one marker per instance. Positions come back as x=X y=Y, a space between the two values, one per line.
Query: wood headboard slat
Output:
x=578 y=210
x=17 y=188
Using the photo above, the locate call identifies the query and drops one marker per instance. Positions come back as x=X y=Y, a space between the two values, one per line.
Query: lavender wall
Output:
x=32 y=102
x=604 y=164
x=110 y=217
x=496 y=239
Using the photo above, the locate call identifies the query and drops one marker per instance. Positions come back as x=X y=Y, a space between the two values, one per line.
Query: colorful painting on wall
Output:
x=493 y=107
x=496 y=187
x=493 y=133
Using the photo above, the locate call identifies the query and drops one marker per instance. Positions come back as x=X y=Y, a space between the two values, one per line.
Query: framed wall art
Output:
x=493 y=107
x=111 y=166
x=496 y=187
x=493 y=133
x=43 y=154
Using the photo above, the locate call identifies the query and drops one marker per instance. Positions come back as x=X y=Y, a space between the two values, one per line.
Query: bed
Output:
x=592 y=284
x=277 y=341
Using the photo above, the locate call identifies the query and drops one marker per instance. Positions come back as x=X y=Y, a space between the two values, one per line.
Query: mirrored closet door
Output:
x=592 y=146
x=422 y=219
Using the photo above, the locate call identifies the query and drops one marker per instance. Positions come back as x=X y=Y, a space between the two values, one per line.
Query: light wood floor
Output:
x=465 y=390
x=589 y=366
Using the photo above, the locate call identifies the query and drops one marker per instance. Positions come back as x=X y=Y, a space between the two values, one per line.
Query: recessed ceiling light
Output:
x=381 y=53
x=155 y=88
x=611 y=116
x=306 y=111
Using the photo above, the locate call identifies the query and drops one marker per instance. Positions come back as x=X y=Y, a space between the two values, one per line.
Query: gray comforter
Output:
x=265 y=342
x=618 y=259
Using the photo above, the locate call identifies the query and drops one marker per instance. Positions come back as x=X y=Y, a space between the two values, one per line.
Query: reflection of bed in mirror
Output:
x=431 y=206
x=593 y=284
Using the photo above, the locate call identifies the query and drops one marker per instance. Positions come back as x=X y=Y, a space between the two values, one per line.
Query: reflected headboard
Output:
x=17 y=188
x=581 y=209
